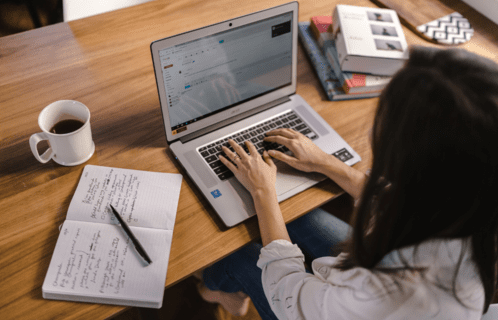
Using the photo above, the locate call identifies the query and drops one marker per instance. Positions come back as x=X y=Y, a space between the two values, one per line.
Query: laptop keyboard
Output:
x=256 y=133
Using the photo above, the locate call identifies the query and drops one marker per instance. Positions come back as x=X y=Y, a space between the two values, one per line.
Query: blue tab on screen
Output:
x=216 y=193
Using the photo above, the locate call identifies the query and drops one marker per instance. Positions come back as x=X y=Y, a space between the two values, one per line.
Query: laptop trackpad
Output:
x=289 y=178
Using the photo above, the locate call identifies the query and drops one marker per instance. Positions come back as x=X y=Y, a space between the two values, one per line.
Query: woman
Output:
x=423 y=243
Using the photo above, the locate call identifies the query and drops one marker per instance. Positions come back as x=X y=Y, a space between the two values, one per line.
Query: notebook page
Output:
x=144 y=199
x=99 y=260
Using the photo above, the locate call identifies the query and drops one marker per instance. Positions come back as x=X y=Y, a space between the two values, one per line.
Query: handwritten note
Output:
x=99 y=259
x=143 y=198
x=94 y=260
x=92 y=263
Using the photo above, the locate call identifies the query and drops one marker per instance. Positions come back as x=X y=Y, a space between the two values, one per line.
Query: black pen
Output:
x=130 y=234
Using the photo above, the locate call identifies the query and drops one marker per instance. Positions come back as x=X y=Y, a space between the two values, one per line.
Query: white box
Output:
x=369 y=40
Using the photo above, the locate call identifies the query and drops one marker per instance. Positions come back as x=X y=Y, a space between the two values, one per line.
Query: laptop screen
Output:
x=214 y=73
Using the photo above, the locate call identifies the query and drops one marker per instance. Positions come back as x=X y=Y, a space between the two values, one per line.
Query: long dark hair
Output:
x=435 y=162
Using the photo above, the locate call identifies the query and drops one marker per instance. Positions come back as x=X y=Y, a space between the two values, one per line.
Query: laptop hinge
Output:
x=233 y=119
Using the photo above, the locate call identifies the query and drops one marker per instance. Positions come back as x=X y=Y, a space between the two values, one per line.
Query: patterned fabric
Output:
x=452 y=29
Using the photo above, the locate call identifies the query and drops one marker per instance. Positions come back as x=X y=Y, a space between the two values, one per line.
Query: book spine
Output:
x=314 y=29
x=352 y=81
x=320 y=65
x=324 y=71
x=356 y=81
x=331 y=54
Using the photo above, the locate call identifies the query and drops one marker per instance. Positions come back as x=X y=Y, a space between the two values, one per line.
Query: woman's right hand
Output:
x=307 y=157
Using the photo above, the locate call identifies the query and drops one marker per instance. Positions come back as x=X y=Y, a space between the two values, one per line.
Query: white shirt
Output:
x=361 y=293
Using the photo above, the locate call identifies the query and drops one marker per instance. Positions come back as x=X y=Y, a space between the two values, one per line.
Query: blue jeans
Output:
x=316 y=233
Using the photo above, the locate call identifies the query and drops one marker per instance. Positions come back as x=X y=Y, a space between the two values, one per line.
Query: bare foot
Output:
x=237 y=303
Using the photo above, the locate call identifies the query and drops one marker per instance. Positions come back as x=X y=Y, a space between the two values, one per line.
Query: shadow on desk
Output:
x=111 y=135
x=136 y=127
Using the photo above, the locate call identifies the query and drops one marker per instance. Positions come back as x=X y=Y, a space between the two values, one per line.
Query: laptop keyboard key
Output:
x=243 y=145
x=225 y=175
x=216 y=164
x=211 y=158
x=300 y=127
x=220 y=170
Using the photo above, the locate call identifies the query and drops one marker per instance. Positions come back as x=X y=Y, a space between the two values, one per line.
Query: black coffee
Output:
x=66 y=126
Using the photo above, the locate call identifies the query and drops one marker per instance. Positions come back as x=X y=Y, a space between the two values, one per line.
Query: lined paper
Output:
x=144 y=199
x=99 y=260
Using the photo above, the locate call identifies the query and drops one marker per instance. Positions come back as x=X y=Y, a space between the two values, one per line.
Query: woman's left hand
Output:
x=255 y=174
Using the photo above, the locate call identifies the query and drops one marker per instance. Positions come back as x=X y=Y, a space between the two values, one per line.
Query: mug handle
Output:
x=33 y=142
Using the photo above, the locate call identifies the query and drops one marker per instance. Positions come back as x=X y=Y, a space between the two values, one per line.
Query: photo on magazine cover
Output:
x=389 y=45
x=383 y=30
x=376 y=16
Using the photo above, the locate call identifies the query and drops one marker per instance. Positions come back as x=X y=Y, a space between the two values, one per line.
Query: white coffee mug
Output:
x=67 y=149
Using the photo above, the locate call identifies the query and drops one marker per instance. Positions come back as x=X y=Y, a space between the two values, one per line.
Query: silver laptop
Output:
x=237 y=79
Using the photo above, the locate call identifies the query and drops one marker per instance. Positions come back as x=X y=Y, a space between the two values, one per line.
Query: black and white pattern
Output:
x=451 y=29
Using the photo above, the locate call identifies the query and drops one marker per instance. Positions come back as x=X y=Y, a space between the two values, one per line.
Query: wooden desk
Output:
x=104 y=61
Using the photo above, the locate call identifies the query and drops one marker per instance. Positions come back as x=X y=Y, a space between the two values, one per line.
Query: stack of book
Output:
x=352 y=54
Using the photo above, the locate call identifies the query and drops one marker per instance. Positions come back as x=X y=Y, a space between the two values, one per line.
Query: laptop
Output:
x=237 y=79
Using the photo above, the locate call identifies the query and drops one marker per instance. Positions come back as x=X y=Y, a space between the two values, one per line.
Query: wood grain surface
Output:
x=415 y=13
x=104 y=62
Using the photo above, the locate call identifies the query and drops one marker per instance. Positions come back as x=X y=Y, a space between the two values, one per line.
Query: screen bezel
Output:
x=238 y=109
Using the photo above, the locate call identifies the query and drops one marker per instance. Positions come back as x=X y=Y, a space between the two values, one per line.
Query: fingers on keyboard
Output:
x=255 y=135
